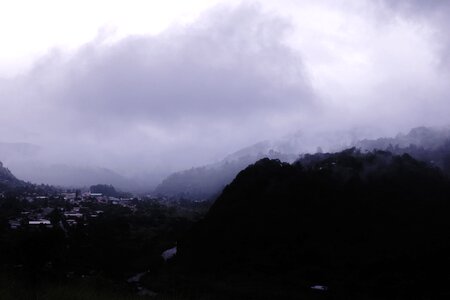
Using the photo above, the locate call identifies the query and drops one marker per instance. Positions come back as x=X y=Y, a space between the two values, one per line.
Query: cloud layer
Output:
x=237 y=75
x=164 y=100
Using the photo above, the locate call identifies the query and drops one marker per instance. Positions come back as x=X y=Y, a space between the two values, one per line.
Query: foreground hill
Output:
x=365 y=225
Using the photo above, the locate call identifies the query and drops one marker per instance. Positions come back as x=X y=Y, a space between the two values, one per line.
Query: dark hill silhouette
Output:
x=7 y=178
x=365 y=224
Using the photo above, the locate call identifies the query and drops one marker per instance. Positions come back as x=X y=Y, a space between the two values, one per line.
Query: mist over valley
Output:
x=212 y=149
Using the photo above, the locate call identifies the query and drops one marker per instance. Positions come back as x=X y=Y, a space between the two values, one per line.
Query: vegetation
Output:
x=109 y=190
x=206 y=183
x=89 y=260
x=358 y=224
x=366 y=225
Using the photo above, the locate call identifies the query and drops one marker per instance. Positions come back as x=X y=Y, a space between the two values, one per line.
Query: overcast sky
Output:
x=142 y=85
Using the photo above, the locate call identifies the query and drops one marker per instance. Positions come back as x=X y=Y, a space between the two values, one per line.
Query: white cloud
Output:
x=187 y=94
x=182 y=97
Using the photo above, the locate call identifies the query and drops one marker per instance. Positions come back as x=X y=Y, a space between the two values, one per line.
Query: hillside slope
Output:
x=360 y=223
x=431 y=145
x=7 y=178
x=204 y=183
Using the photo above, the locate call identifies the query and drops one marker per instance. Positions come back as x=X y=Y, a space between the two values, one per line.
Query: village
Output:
x=66 y=209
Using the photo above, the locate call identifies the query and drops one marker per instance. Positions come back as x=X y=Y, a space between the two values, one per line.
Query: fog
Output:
x=147 y=105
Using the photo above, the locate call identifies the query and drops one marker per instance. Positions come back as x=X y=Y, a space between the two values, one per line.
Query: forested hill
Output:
x=7 y=178
x=420 y=137
x=431 y=145
x=11 y=186
x=359 y=223
x=204 y=183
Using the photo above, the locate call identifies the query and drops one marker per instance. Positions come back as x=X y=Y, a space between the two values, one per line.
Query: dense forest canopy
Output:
x=373 y=221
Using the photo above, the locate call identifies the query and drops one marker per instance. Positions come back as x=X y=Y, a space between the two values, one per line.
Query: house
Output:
x=71 y=222
x=69 y=196
x=317 y=287
x=72 y=215
x=40 y=222
x=169 y=253
x=14 y=224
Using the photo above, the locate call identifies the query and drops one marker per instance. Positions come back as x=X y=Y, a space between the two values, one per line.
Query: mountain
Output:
x=422 y=137
x=73 y=176
x=11 y=186
x=206 y=182
x=33 y=163
x=360 y=224
x=7 y=178
x=431 y=145
x=58 y=174
x=108 y=190
x=201 y=183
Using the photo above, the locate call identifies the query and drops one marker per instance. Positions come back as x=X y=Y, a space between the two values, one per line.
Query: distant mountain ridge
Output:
x=430 y=145
x=201 y=183
x=425 y=137
x=65 y=175
x=70 y=176
x=204 y=183
x=32 y=163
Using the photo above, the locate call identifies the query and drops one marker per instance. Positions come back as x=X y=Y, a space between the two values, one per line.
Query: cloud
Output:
x=170 y=100
x=427 y=13
x=237 y=75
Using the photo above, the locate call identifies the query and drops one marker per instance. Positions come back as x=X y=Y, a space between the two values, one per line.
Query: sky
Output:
x=158 y=86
